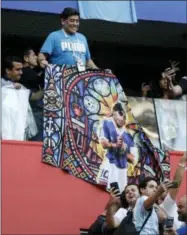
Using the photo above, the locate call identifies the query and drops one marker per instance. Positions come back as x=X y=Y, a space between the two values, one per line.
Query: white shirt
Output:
x=119 y=216
x=6 y=82
x=170 y=207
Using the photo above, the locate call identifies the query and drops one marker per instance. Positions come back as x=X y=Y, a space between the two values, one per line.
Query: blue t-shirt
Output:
x=61 y=47
x=111 y=133
x=182 y=230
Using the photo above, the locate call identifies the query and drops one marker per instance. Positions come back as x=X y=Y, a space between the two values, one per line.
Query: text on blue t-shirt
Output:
x=62 y=48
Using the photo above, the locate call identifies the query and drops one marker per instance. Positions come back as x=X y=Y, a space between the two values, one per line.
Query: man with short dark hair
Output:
x=31 y=78
x=128 y=200
x=13 y=75
x=13 y=71
x=150 y=192
x=116 y=210
x=34 y=81
x=12 y=104
x=67 y=46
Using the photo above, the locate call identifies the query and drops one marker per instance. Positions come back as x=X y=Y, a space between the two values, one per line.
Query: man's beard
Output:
x=183 y=218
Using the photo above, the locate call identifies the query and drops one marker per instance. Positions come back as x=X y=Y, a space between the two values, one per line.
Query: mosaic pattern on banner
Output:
x=90 y=131
x=53 y=116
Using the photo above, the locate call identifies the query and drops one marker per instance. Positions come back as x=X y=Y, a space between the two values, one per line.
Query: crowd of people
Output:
x=149 y=208
x=23 y=74
x=145 y=209
x=64 y=46
x=166 y=86
x=67 y=46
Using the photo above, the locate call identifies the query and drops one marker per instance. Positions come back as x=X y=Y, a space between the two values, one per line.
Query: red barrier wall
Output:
x=40 y=199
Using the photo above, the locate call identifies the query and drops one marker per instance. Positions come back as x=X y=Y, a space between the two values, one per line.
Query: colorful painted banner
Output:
x=89 y=130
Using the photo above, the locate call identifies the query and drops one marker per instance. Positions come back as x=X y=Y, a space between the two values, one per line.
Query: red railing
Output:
x=40 y=199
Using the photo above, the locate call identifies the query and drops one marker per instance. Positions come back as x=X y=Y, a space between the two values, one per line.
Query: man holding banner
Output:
x=77 y=105
x=66 y=46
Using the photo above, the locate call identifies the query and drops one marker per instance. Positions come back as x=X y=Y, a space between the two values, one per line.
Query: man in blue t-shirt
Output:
x=67 y=46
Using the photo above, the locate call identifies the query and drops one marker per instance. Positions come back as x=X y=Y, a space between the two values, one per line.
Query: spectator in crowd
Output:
x=33 y=81
x=118 y=206
x=126 y=203
x=13 y=71
x=67 y=46
x=17 y=108
x=182 y=215
x=31 y=77
x=176 y=90
x=114 y=204
x=182 y=212
x=167 y=201
x=150 y=192
x=159 y=88
x=115 y=210
x=13 y=75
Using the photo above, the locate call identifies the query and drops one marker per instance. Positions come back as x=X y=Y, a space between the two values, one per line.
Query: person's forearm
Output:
x=91 y=64
x=175 y=90
x=109 y=223
x=110 y=210
x=177 y=177
x=148 y=203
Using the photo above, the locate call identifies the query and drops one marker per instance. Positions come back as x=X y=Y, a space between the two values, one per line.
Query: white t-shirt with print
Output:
x=140 y=215
x=170 y=207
